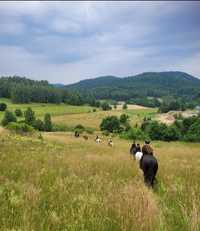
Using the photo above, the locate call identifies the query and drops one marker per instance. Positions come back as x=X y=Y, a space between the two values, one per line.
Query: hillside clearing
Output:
x=94 y=119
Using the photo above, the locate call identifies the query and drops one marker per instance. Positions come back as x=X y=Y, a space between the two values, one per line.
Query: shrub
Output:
x=154 y=129
x=8 y=117
x=38 y=125
x=18 y=112
x=125 y=106
x=123 y=118
x=187 y=122
x=80 y=126
x=193 y=133
x=29 y=115
x=171 y=133
x=115 y=105
x=3 y=106
x=20 y=127
x=133 y=134
x=47 y=122
x=111 y=124
x=105 y=106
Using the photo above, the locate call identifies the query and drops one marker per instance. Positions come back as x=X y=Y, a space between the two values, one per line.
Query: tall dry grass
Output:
x=64 y=183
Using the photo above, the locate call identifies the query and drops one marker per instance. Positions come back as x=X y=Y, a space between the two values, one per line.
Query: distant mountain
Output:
x=156 y=84
x=58 y=85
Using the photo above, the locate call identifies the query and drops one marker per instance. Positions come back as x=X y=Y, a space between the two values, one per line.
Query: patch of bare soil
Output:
x=166 y=118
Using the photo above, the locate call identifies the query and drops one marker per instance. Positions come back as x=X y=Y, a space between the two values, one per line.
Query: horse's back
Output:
x=149 y=162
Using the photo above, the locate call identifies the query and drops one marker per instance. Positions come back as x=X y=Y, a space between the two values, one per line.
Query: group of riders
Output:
x=147 y=161
x=97 y=139
x=145 y=156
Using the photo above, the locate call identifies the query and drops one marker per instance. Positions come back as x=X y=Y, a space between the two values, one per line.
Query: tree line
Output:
x=23 y=90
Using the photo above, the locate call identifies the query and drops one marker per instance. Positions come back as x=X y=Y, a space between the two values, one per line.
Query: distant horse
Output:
x=76 y=134
x=133 y=149
x=110 y=143
x=98 y=140
x=149 y=166
x=85 y=137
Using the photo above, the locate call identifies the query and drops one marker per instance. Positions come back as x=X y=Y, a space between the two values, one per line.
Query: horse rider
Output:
x=147 y=149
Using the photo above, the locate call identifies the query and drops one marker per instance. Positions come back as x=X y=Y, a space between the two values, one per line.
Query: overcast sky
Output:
x=64 y=42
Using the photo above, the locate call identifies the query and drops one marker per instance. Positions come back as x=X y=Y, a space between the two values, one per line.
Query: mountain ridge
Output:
x=155 y=84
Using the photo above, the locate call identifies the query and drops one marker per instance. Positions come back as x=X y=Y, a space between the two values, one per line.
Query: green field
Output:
x=67 y=183
x=41 y=108
x=72 y=115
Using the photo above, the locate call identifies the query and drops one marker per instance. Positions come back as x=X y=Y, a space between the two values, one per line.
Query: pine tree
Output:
x=47 y=122
x=29 y=115
x=8 y=117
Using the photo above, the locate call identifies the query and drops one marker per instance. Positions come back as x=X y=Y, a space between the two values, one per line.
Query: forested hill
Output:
x=23 y=90
x=156 y=84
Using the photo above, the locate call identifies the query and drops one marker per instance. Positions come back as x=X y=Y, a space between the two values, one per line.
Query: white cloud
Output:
x=69 y=41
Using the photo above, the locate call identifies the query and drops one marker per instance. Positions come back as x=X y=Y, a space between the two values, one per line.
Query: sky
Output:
x=65 y=42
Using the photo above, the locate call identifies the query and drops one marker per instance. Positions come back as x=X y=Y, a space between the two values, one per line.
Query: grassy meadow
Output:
x=41 y=108
x=68 y=183
x=94 y=119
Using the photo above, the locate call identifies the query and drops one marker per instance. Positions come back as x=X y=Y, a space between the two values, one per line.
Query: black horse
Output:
x=135 y=148
x=148 y=164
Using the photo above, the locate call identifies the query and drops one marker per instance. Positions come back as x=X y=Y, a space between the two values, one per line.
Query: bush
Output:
x=105 y=106
x=38 y=125
x=125 y=106
x=47 y=123
x=133 y=134
x=171 y=133
x=18 y=112
x=154 y=129
x=111 y=124
x=3 y=106
x=8 y=117
x=193 y=133
x=29 y=116
x=187 y=122
x=80 y=126
x=20 y=127
x=123 y=118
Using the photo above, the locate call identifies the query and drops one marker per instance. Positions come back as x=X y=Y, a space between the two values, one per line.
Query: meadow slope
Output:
x=67 y=183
